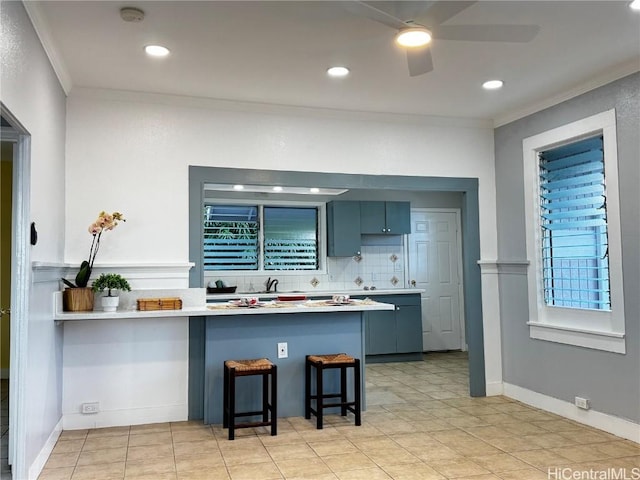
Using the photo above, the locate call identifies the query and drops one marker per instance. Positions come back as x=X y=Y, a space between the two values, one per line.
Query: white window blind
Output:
x=574 y=226
x=231 y=237
x=290 y=238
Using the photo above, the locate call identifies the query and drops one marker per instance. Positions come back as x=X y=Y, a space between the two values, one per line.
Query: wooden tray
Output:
x=166 y=303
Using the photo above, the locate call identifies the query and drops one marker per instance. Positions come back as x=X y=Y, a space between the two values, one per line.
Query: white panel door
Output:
x=434 y=256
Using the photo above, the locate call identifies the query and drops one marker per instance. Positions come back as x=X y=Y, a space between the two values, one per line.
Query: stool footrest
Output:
x=252 y=424
x=250 y=414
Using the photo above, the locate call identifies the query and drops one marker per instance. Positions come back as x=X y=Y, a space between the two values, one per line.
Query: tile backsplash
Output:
x=379 y=266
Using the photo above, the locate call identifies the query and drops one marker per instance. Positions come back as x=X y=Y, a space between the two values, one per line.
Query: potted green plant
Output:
x=110 y=284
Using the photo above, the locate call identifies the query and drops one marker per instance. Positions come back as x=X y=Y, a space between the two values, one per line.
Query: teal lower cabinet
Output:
x=378 y=339
x=395 y=335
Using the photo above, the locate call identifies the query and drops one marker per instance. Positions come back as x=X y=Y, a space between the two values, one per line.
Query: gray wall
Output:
x=611 y=381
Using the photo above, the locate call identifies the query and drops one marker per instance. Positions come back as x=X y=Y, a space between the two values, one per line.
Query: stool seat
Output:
x=269 y=412
x=252 y=366
x=320 y=363
x=332 y=359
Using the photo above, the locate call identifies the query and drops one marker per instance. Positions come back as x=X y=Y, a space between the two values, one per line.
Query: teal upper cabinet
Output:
x=343 y=229
x=385 y=218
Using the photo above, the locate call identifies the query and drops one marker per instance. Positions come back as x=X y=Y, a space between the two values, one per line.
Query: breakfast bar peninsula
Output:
x=229 y=330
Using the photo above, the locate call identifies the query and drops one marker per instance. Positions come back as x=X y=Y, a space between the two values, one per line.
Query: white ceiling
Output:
x=277 y=53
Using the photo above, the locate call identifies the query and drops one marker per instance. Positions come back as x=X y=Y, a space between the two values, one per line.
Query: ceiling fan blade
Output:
x=442 y=11
x=419 y=61
x=363 y=9
x=407 y=11
x=487 y=33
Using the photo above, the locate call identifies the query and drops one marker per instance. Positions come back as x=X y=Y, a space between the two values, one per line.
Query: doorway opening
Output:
x=19 y=273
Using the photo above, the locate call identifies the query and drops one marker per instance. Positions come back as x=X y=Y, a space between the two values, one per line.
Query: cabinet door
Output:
x=381 y=332
x=343 y=229
x=398 y=217
x=408 y=328
x=372 y=218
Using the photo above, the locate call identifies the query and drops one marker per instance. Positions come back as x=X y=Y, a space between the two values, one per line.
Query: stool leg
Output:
x=274 y=400
x=307 y=388
x=265 y=397
x=343 y=391
x=225 y=398
x=356 y=387
x=319 y=395
x=232 y=403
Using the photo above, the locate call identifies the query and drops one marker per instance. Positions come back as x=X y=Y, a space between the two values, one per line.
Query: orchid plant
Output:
x=104 y=222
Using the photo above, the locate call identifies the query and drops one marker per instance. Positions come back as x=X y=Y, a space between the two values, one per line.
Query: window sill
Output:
x=595 y=339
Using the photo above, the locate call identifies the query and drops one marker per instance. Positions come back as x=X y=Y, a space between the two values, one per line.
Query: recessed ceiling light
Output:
x=338 y=71
x=314 y=190
x=492 y=84
x=277 y=189
x=413 y=37
x=156 y=50
x=635 y=5
x=238 y=187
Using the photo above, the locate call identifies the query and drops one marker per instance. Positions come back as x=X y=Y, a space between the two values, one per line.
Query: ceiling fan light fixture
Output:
x=156 y=50
x=412 y=37
x=338 y=71
x=492 y=84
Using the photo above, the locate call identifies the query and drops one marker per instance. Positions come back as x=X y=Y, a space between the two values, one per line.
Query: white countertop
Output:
x=315 y=293
x=226 y=308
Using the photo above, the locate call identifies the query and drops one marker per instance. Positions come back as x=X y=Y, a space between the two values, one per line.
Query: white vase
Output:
x=110 y=304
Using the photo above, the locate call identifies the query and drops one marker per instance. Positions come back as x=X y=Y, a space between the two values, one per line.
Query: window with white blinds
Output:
x=260 y=237
x=231 y=237
x=574 y=226
x=573 y=235
x=290 y=238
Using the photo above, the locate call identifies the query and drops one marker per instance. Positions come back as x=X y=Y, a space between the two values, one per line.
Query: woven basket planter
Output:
x=77 y=299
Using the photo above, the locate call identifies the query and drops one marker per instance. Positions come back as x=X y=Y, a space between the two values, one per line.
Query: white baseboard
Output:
x=117 y=418
x=4 y=373
x=602 y=421
x=38 y=464
x=494 y=388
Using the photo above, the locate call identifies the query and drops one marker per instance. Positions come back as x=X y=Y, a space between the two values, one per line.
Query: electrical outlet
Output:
x=93 y=407
x=283 y=350
x=582 y=403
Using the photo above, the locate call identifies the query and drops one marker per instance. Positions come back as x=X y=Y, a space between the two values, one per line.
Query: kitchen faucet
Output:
x=272 y=283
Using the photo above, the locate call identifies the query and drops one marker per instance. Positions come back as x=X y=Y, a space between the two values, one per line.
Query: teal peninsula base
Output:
x=255 y=336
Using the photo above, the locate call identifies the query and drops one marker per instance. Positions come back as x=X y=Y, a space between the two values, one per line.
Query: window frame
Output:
x=596 y=329
x=322 y=232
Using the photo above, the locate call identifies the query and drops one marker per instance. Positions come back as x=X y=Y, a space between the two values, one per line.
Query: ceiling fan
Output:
x=425 y=19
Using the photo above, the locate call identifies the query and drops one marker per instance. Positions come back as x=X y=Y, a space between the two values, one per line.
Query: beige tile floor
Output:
x=420 y=424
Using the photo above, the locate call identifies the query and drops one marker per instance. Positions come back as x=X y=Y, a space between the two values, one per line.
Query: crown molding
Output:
x=40 y=25
x=128 y=96
x=611 y=75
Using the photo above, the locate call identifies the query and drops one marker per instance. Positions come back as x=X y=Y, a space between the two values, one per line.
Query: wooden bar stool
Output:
x=325 y=362
x=243 y=368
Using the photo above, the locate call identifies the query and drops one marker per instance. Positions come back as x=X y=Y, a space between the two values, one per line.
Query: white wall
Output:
x=32 y=93
x=137 y=369
x=131 y=152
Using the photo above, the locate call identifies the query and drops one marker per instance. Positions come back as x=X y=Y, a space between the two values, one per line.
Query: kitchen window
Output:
x=261 y=237
x=573 y=235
